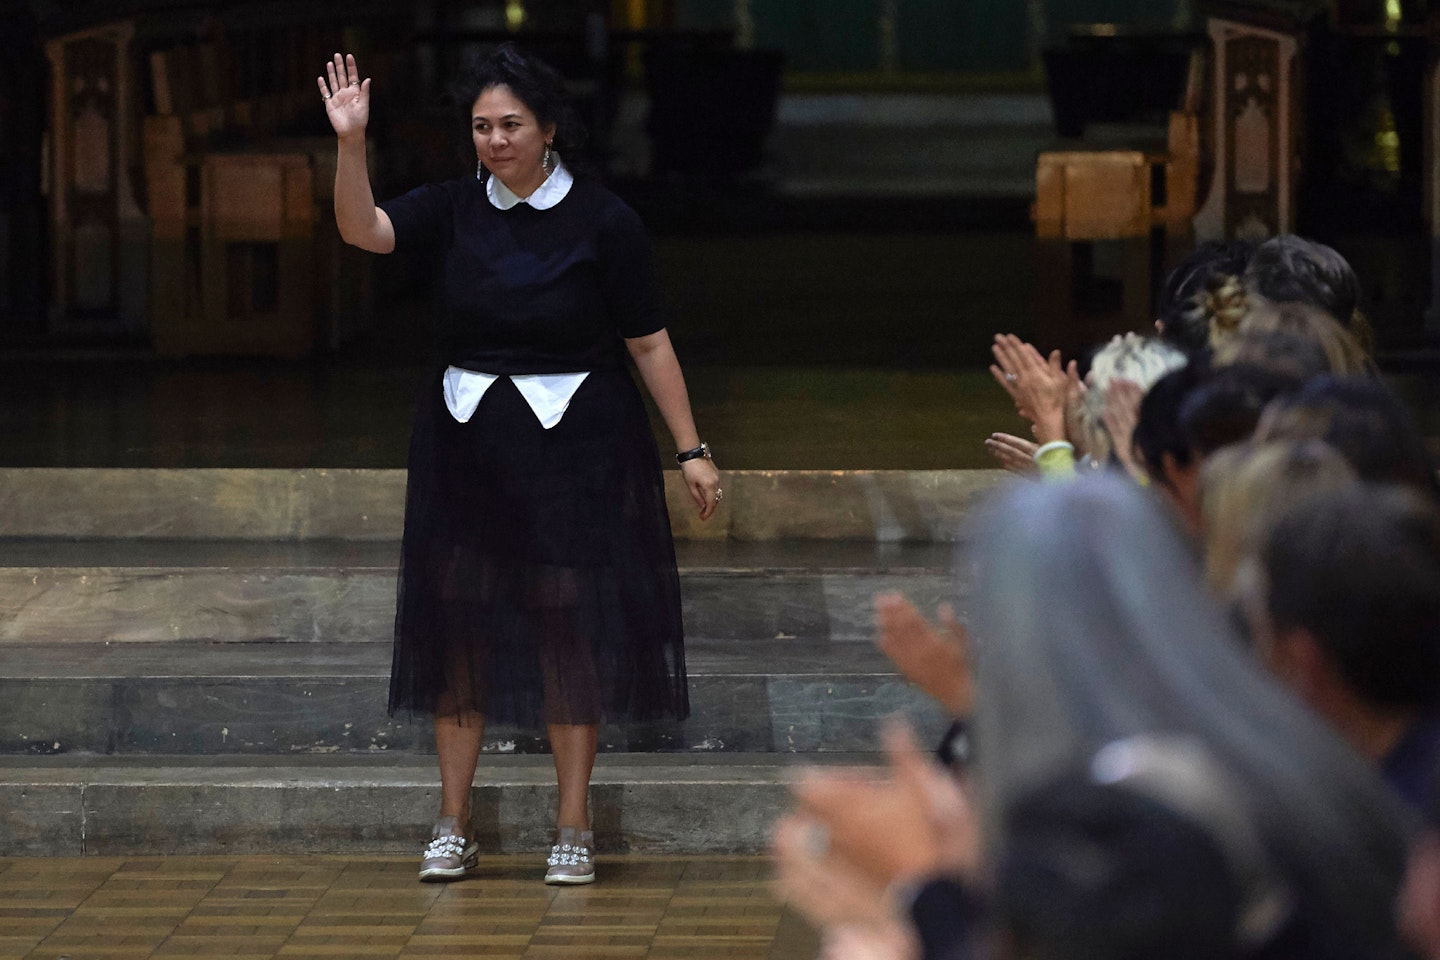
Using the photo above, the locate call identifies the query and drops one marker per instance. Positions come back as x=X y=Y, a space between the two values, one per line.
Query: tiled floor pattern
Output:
x=262 y=907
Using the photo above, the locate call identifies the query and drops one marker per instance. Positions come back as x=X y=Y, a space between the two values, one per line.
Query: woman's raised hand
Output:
x=347 y=100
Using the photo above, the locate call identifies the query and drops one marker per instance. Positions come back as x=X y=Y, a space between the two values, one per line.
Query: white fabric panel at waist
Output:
x=548 y=394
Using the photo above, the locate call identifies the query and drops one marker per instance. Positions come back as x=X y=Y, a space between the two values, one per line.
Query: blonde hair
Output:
x=1224 y=305
x=1243 y=490
x=1343 y=352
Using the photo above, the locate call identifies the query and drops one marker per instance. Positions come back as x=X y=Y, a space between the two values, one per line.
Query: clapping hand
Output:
x=347 y=99
x=1039 y=385
x=873 y=831
x=1122 y=412
x=937 y=660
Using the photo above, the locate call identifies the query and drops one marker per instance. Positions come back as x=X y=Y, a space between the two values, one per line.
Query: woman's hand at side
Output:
x=347 y=99
x=654 y=357
x=702 y=479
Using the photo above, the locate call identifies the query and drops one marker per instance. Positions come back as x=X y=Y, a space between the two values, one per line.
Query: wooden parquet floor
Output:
x=256 y=908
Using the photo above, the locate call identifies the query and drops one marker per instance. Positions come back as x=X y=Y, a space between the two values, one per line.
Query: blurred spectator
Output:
x=1088 y=419
x=1285 y=353
x=1145 y=852
x=1363 y=420
x=1244 y=489
x=1181 y=318
x=1344 y=354
x=1091 y=623
x=1345 y=609
x=1292 y=270
x=1420 y=897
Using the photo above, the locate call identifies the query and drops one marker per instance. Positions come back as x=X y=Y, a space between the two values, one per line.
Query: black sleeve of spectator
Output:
x=948 y=918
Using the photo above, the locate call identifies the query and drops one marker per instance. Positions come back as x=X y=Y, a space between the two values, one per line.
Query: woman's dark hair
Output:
x=1359 y=569
x=1157 y=426
x=1228 y=406
x=1366 y=422
x=537 y=84
x=1184 y=321
x=1291 y=269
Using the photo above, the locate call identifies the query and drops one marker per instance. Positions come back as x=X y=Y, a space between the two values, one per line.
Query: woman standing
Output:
x=538 y=581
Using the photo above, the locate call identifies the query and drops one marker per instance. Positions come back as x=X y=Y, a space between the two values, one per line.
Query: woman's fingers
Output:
x=703 y=482
x=341 y=74
x=1010 y=457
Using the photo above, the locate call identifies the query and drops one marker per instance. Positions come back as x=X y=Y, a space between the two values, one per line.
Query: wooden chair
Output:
x=1139 y=198
x=240 y=260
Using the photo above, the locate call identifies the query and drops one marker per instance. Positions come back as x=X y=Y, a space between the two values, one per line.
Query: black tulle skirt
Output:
x=537 y=579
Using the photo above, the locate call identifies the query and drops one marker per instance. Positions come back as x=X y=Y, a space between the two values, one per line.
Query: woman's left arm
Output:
x=660 y=369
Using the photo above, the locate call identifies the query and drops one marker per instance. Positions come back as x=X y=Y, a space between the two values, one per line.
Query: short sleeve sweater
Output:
x=533 y=291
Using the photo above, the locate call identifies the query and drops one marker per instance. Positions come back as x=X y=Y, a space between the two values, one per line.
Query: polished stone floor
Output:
x=311 y=906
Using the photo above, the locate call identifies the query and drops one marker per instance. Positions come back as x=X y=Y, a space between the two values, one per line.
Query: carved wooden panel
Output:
x=1256 y=110
x=1253 y=113
x=98 y=229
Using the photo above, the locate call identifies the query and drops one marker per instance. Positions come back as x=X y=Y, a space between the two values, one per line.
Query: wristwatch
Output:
x=701 y=451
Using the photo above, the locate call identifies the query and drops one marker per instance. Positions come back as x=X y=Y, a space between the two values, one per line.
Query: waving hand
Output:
x=347 y=100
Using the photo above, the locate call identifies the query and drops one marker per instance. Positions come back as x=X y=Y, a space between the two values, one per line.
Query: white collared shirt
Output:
x=548 y=394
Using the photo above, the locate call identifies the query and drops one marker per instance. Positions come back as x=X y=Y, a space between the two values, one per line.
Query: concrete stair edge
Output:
x=301 y=504
x=228 y=810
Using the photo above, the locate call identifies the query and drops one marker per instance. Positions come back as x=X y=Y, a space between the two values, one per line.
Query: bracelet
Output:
x=701 y=451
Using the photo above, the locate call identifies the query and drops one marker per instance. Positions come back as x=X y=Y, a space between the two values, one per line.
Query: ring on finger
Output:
x=1010 y=377
x=719 y=495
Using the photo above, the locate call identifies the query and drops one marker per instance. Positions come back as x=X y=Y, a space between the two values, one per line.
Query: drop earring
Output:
x=479 y=169
x=547 y=162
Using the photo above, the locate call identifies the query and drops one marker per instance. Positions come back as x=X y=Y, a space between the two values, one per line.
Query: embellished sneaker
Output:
x=449 y=854
x=572 y=858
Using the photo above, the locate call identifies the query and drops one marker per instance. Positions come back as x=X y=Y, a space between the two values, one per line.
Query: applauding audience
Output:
x=1197 y=696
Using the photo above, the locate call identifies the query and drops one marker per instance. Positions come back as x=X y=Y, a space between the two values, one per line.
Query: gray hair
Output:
x=1141 y=360
x=1092 y=624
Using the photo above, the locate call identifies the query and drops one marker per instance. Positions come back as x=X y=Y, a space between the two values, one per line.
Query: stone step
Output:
x=235 y=504
x=790 y=696
x=339 y=591
x=127 y=806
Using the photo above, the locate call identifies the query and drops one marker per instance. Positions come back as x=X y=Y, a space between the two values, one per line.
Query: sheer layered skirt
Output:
x=537 y=579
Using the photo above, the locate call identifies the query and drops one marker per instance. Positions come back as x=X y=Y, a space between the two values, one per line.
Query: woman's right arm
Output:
x=347 y=104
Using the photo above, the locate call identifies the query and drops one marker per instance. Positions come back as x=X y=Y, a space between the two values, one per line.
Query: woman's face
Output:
x=509 y=140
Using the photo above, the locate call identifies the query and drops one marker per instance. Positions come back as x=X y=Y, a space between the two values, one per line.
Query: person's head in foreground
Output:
x=1344 y=607
x=1091 y=623
x=1146 y=851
